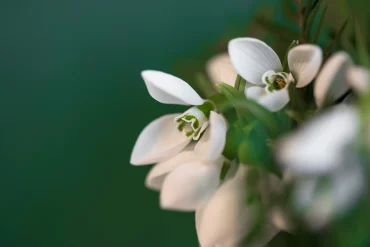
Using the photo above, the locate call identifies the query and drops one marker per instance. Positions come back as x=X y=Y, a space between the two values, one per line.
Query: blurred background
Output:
x=72 y=106
x=73 y=103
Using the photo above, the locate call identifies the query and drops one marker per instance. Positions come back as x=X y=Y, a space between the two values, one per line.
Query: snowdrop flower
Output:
x=220 y=69
x=188 y=179
x=227 y=218
x=168 y=135
x=257 y=63
x=332 y=82
x=322 y=153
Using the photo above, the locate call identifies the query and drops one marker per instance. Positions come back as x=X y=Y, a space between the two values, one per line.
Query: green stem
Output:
x=285 y=62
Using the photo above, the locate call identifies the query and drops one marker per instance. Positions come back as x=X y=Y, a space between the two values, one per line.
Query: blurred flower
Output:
x=168 y=135
x=321 y=156
x=220 y=69
x=232 y=213
x=257 y=63
x=332 y=82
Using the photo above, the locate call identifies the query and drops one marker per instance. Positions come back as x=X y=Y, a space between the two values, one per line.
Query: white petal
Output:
x=227 y=219
x=198 y=217
x=158 y=173
x=158 y=141
x=304 y=63
x=321 y=204
x=320 y=145
x=251 y=58
x=359 y=79
x=190 y=185
x=254 y=92
x=169 y=89
x=220 y=69
x=275 y=101
x=332 y=83
x=212 y=143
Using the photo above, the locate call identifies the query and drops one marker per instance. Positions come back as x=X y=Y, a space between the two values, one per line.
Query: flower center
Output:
x=276 y=81
x=195 y=120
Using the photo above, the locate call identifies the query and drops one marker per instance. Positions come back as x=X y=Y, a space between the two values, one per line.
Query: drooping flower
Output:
x=227 y=218
x=188 y=180
x=329 y=175
x=168 y=135
x=187 y=175
x=257 y=63
x=332 y=82
x=337 y=77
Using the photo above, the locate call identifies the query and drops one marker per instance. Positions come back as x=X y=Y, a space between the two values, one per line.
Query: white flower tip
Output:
x=304 y=63
x=169 y=89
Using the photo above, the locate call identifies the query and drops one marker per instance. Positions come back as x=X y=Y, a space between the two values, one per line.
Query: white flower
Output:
x=332 y=82
x=337 y=76
x=330 y=178
x=187 y=180
x=257 y=63
x=220 y=69
x=227 y=218
x=168 y=135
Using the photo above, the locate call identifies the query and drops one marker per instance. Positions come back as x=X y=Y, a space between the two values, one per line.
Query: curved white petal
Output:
x=158 y=141
x=275 y=101
x=304 y=63
x=332 y=83
x=319 y=147
x=220 y=69
x=251 y=58
x=158 y=173
x=212 y=143
x=169 y=89
x=359 y=79
x=254 y=92
x=227 y=218
x=190 y=185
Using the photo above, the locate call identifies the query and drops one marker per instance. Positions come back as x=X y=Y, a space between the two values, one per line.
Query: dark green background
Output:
x=72 y=104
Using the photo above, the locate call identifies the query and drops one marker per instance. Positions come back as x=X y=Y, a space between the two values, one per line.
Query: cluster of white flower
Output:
x=188 y=148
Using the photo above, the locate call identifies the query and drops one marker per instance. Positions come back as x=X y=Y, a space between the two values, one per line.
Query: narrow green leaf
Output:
x=285 y=62
x=306 y=13
x=319 y=26
x=336 y=40
x=361 y=40
x=315 y=3
x=311 y=19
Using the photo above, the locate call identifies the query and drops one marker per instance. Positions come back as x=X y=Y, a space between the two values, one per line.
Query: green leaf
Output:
x=285 y=61
x=336 y=40
x=234 y=137
x=307 y=13
x=296 y=98
x=319 y=26
x=311 y=19
x=362 y=50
